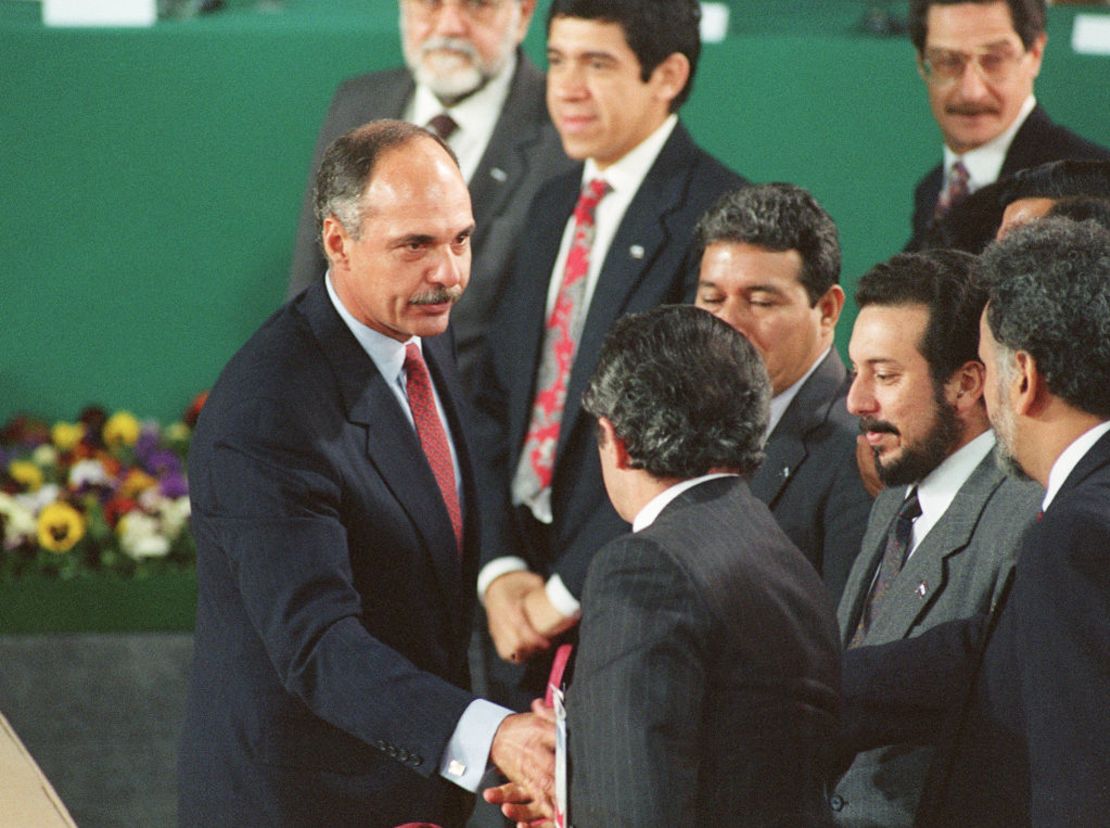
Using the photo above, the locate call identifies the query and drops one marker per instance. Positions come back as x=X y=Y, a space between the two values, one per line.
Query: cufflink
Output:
x=498 y=174
x=456 y=768
x=636 y=251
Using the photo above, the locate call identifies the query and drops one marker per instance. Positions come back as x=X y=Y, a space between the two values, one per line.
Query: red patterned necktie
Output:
x=537 y=461
x=898 y=543
x=955 y=192
x=433 y=437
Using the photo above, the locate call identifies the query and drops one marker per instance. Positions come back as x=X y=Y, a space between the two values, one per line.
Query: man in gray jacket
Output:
x=943 y=534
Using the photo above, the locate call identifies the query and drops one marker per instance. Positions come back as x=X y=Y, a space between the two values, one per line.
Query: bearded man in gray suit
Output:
x=944 y=533
x=466 y=78
x=706 y=684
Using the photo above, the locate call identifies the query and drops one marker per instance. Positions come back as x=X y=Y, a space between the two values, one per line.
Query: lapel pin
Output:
x=785 y=472
x=499 y=174
x=636 y=251
x=922 y=588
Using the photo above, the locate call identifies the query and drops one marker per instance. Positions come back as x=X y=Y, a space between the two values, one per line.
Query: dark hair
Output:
x=654 y=30
x=942 y=281
x=684 y=391
x=1082 y=208
x=1048 y=286
x=348 y=165
x=1057 y=179
x=778 y=217
x=1028 y=17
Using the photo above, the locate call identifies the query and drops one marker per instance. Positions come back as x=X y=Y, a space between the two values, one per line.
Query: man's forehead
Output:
x=969 y=25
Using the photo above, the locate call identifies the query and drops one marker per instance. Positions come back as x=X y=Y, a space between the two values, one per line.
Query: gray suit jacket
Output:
x=707 y=675
x=957 y=570
x=523 y=152
x=810 y=479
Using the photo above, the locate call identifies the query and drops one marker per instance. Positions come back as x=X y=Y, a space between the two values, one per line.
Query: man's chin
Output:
x=449 y=78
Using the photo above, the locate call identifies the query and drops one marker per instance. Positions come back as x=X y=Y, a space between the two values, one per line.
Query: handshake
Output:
x=523 y=750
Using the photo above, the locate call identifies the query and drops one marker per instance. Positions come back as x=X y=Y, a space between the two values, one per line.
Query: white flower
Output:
x=45 y=455
x=35 y=502
x=19 y=522
x=140 y=536
x=88 y=473
x=175 y=514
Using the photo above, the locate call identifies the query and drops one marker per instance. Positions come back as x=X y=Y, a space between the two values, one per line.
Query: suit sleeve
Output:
x=633 y=706
x=274 y=515
x=1061 y=601
x=844 y=521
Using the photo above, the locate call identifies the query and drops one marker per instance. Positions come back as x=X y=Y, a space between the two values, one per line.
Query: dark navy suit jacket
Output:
x=333 y=607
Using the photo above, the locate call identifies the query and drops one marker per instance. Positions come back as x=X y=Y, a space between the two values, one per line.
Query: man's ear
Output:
x=613 y=443
x=671 y=76
x=1029 y=390
x=336 y=242
x=968 y=380
x=830 y=305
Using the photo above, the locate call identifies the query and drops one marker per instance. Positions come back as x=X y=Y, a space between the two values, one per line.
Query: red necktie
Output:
x=443 y=125
x=433 y=437
x=955 y=192
x=537 y=461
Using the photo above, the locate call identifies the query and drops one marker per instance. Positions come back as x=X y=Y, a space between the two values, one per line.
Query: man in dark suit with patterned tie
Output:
x=333 y=507
x=945 y=531
x=979 y=59
x=466 y=77
x=770 y=268
x=613 y=236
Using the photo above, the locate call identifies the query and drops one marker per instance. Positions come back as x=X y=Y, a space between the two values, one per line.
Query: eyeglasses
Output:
x=478 y=10
x=941 y=66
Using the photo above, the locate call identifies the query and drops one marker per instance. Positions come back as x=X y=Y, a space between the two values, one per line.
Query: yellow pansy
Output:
x=66 y=436
x=60 y=527
x=121 y=429
x=26 y=474
x=136 y=482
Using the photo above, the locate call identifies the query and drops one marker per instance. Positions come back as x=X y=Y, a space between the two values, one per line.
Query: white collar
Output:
x=387 y=353
x=1069 y=458
x=984 y=164
x=629 y=172
x=647 y=515
x=475 y=110
x=781 y=402
x=937 y=490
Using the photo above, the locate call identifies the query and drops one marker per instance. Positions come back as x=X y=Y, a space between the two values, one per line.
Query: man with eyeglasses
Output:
x=979 y=61
x=466 y=78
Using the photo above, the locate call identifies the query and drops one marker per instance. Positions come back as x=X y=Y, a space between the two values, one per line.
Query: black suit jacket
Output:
x=523 y=152
x=333 y=608
x=810 y=478
x=1038 y=141
x=1016 y=699
x=705 y=687
x=653 y=260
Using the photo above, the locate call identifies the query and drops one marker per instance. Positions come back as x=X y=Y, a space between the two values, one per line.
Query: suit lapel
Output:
x=787 y=446
x=392 y=446
x=643 y=233
x=1097 y=457
x=923 y=577
x=1026 y=150
x=867 y=562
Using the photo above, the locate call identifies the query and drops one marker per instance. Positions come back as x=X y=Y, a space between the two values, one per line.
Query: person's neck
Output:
x=1042 y=441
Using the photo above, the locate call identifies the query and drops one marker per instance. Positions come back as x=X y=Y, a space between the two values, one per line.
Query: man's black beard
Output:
x=919 y=460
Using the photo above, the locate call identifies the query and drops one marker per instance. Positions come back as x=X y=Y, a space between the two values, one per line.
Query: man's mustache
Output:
x=437 y=296
x=878 y=426
x=449 y=44
x=970 y=109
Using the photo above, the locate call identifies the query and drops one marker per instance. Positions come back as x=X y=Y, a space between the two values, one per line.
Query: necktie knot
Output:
x=443 y=125
x=588 y=200
x=956 y=190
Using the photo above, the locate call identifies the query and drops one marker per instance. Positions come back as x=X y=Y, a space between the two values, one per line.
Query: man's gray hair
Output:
x=684 y=391
x=1048 y=294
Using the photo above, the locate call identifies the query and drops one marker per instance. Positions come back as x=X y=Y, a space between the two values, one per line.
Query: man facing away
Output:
x=336 y=536
x=943 y=534
x=1018 y=707
x=704 y=688
x=979 y=60
x=613 y=236
x=466 y=78
x=770 y=268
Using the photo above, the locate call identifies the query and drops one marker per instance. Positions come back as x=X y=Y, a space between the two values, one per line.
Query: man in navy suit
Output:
x=979 y=59
x=770 y=268
x=1026 y=732
x=333 y=507
x=613 y=236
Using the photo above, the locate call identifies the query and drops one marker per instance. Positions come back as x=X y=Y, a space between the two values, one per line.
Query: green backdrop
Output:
x=150 y=179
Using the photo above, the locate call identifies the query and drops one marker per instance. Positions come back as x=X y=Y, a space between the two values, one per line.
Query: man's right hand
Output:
x=513 y=634
x=524 y=750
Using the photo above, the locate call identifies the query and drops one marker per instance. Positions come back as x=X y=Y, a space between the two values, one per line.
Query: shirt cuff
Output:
x=495 y=569
x=561 y=599
x=467 y=754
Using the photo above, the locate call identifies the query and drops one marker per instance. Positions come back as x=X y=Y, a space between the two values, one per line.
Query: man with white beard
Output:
x=466 y=78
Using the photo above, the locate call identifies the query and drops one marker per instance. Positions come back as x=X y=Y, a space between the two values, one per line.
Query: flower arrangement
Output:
x=104 y=494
